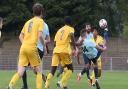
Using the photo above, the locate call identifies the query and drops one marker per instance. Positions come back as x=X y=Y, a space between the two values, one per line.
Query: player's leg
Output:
x=38 y=70
x=96 y=73
x=23 y=61
x=41 y=53
x=68 y=69
x=85 y=69
x=55 y=62
x=36 y=64
x=99 y=71
x=16 y=77
x=24 y=79
x=99 y=67
x=61 y=69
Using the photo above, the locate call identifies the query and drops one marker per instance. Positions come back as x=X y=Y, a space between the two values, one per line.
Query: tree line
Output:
x=16 y=12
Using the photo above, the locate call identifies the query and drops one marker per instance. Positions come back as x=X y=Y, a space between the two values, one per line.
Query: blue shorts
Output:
x=94 y=60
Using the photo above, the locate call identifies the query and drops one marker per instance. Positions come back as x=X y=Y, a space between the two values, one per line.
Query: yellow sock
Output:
x=66 y=77
x=93 y=77
x=39 y=81
x=48 y=81
x=14 y=79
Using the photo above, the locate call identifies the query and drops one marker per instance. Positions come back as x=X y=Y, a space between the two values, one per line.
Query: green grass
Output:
x=109 y=80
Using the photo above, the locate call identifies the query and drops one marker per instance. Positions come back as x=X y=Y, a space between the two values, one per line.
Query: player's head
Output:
x=95 y=31
x=68 y=20
x=87 y=27
x=38 y=9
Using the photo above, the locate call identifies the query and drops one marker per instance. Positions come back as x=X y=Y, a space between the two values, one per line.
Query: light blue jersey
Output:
x=44 y=34
x=88 y=46
x=88 y=36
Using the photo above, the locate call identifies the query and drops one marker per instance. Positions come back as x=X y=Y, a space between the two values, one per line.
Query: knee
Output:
x=37 y=70
x=53 y=70
x=21 y=71
x=87 y=66
x=69 y=67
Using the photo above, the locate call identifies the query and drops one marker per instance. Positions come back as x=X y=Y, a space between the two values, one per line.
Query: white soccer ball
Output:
x=103 y=23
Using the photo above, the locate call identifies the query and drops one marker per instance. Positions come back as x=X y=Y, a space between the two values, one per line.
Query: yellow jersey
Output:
x=63 y=40
x=30 y=31
x=99 y=40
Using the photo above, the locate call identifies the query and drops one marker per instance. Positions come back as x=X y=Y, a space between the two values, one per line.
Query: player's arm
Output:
x=73 y=41
x=102 y=45
x=79 y=42
x=21 y=37
x=48 y=39
x=42 y=41
x=81 y=38
x=102 y=48
x=1 y=22
x=75 y=51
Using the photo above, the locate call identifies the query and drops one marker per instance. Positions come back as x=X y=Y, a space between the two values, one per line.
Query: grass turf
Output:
x=109 y=80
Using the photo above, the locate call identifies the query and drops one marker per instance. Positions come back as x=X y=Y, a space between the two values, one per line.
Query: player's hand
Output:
x=45 y=51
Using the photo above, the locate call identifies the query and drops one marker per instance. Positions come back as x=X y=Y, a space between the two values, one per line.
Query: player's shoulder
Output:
x=100 y=37
x=28 y=21
x=37 y=20
x=46 y=26
x=70 y=28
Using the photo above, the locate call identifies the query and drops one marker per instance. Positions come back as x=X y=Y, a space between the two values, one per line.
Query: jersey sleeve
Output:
x=41 y=26
x=101 y=40
x=47 y=28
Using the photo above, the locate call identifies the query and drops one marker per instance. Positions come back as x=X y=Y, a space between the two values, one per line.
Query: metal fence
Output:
x=108 y=63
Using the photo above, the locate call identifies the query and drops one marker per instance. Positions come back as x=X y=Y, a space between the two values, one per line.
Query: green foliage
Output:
x=125 y=33
x=16 y=12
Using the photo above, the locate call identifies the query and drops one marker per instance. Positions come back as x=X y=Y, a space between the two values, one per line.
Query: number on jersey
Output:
x=30 y=26
x=62 y=34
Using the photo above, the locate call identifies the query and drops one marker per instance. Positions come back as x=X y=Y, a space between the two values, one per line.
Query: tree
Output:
x=16 y=12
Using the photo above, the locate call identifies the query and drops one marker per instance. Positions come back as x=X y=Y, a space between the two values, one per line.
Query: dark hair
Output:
x=85 y=24
x=68 y=20
x=95 y=28
x=37 y=9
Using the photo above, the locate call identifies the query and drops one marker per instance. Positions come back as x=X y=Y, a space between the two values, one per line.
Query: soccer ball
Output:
x=103 y=23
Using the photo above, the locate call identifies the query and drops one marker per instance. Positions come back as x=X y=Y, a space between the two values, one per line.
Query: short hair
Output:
x=85 y=24
x=95 y=28
x=37 y=9
x=68 y=20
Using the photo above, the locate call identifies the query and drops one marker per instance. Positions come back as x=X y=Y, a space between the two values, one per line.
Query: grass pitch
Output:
x=109 y=80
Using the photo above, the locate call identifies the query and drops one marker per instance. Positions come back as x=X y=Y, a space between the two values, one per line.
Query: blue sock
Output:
x=83 y=71
x=96 y=72
x=87 y=72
